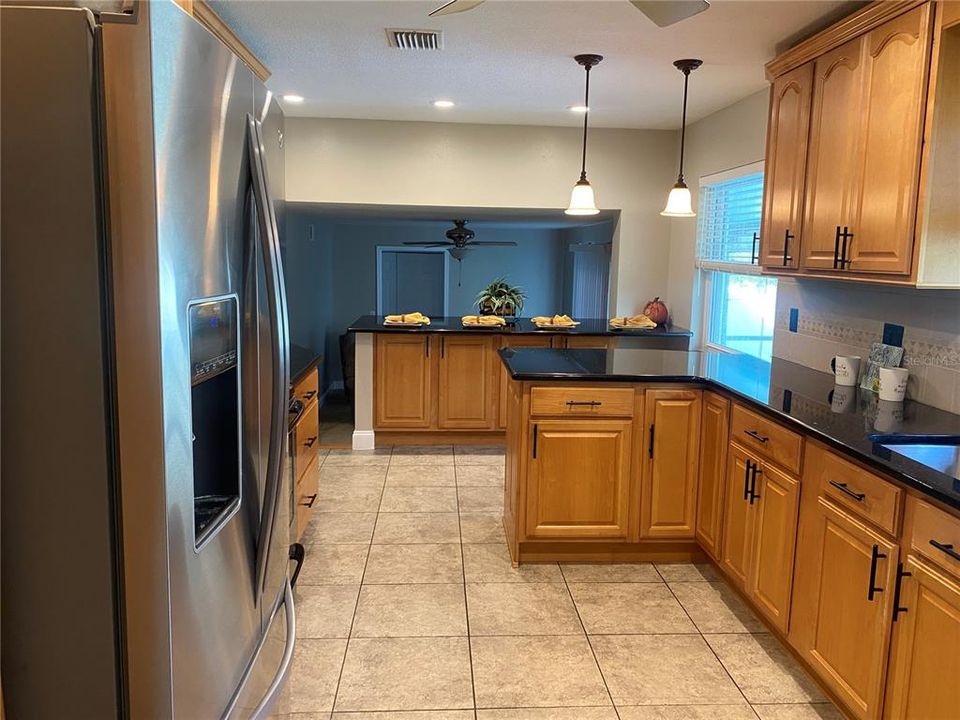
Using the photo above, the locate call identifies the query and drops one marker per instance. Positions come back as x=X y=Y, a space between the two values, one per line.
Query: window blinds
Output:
x=728 y=216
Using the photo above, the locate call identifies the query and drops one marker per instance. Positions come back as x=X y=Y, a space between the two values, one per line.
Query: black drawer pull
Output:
x=310 y=441
x=901 y=574
x=946 y=548
x=309 y=394
x=311 y=499
x=842 y=487
x=588 y=403
x=756 y=436
x=875 y=556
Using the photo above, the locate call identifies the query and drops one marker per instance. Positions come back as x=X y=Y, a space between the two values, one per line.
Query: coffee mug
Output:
x=889 y=416
x=893 y=383
x=845 y=369
x=842 y=398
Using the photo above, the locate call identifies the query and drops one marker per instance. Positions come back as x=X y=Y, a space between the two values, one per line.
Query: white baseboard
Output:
x=363 y=440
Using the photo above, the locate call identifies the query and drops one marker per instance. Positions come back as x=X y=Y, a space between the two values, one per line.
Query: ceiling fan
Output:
x=662 y=12
x=460 y=241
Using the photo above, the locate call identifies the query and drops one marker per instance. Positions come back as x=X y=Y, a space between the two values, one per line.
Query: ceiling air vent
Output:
x=415 y=39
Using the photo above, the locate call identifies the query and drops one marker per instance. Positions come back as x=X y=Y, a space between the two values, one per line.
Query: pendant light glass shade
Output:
x=679 y=202
x=582 y=201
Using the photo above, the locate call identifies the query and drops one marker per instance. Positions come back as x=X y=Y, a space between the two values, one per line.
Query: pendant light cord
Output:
x=586 y=116
x=683 y=122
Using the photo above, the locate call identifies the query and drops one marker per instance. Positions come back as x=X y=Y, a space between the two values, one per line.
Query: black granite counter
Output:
x=851 y=420
x=302 y=360
x=518 y=326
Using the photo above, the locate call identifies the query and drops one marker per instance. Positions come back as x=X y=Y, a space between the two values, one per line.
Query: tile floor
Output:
x=408 y=608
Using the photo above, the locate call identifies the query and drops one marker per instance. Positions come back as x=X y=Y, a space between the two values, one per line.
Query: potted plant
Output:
x=500 y=298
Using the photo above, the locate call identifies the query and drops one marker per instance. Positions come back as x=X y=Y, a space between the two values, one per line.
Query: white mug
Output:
x=845 y=369
x=889 y=416
x=893 y=383
x=842 y=398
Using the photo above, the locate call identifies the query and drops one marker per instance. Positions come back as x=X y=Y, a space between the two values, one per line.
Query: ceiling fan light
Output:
x=679 y=202
x=582 y=201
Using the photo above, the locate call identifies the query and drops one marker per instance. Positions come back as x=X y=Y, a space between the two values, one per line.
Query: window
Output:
x=738 y=303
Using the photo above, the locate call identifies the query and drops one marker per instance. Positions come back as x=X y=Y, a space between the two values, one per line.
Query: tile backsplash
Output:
x=817 y=319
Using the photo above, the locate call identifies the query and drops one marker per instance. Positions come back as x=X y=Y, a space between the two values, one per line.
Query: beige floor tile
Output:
x=411 y=611
x=339 y=528
x=325 y=611
x=482 y=528
x=406 y=450
x=482 y=451
x=528 y=672
x=313 y=675
x=481 y=499
x=407 y=528
x=406 y=674
x=408 y=715
x=421 y=475
x=554 y=713
x=380 y=456
x=333 y=565
x=610 y=572
x=490 y=563
x=764 y=670
x=423 y=456
x=715 y=608
x=402 y=564
x=686 y=712
x=801 y=711
x=419 y=499
x=353 y=474
x=348 y=497
x=663 y=670
x=521 y=609
x=688 y=572
x=480 y=476
x=625 y=608
x=302 y=716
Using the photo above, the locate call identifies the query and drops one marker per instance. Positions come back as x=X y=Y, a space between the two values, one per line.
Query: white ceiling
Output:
x=510 y=61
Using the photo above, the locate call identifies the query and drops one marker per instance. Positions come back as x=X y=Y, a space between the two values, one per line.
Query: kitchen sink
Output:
x=940 y=452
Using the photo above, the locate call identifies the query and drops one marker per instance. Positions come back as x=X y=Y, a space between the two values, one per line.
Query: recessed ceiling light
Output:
x=578 y=108
x=443 y=103
x=293 y=98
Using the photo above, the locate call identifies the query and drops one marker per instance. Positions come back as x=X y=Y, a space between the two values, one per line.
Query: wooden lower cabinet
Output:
x=668 y=484
x=925 y=656
x=713 y=467
x=842 y=604
x=738 y=517
x=467 y=390
x=540 y=341
x=578 y=479
x=403 y=381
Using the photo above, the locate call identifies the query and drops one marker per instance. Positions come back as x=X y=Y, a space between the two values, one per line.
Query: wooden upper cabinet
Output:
x=832 y=161
x=925 y=661
x=785 y=168
x=738 y=516
x=668 y=484
x=404 y=381
x=883 y=212
x=468 y=383
x=578 y=479
x=713 y=468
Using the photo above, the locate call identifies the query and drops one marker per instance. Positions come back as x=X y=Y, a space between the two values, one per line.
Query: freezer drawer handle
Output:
x=842 y=487
x=263 y=710
x=756 y=436
x=946 y=548
x=296 y=554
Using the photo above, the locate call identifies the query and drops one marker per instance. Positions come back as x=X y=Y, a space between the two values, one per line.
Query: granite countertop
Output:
x=519 y=326
x=849 y=419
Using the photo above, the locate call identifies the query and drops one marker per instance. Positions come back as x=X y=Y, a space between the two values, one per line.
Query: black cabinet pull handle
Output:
x=754 y=256
x=946 y=548
x=787 y=237
x=535 y=434
x=309 y=441
x=756 y=436
x=842 y=487
x=309 y=394
x=426 y=345
x=836 y=249
x=443 y=348
x=847 y=236
x=875 y=556
x=753 y=483
x=588 y=403
x=650 y=448
x=901 y=574
x=746 y=479
x=296 y=554
x=311 y=499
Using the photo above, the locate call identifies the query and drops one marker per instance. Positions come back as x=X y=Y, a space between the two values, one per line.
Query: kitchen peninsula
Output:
x=443 y=383
x=812 y=499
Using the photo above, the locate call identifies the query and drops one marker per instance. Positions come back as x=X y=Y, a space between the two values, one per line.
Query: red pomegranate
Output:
x=657 y=311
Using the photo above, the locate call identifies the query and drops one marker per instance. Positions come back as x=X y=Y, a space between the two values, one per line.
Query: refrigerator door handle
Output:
x=265 y=707
x=276 y=300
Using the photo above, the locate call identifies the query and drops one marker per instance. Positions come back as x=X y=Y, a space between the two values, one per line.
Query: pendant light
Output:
x=679 y=202
x=581 y=199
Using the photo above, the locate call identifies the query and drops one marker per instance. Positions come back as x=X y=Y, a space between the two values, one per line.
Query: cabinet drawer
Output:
x=766 y=437
x=581 y=401
x=306 y=494
x=859 y=491
x=307 y=387
x=934 y=534
x=306 y=438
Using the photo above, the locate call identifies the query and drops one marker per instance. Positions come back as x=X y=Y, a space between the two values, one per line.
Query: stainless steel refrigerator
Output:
x=145 y=509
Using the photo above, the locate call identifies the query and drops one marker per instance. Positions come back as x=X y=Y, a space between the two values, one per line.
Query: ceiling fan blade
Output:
x=492 y=243
x=668 y=12
x=455 y=6
x=429 y=244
